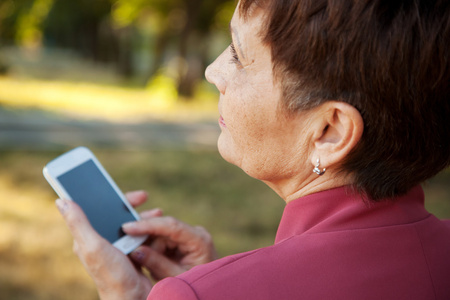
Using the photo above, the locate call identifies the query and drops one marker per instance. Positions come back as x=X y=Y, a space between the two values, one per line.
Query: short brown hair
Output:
x=388 y=59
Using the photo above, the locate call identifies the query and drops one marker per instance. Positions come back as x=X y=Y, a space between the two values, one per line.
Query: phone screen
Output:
x=104 y=209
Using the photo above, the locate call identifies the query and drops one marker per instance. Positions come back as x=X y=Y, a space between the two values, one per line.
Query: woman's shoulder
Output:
x=300 y=265
x=172 y=288
x=447 y=223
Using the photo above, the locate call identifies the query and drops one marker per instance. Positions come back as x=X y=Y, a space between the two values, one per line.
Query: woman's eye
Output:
x=234 y=56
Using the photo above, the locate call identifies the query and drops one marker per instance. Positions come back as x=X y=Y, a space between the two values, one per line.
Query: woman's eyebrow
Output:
x=234 y=33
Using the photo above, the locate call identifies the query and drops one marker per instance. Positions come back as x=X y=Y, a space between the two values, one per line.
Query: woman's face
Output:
x=257 y=135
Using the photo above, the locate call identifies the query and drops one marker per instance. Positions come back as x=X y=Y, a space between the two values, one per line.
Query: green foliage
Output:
x=10 y=11
x=126 y=12
x=124 y=33
x=29 y=24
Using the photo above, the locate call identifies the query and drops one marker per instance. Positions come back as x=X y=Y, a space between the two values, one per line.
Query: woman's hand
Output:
x=174 y=247
x=113 y=272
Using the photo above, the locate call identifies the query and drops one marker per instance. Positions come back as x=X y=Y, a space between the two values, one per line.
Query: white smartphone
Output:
x=78 y=176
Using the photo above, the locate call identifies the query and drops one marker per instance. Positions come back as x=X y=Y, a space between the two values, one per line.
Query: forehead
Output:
x=251 y=23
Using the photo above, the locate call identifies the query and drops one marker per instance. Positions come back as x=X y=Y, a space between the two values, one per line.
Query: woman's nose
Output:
x=215 y=75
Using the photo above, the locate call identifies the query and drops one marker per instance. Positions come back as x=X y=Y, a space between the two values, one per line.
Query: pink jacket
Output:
x=332 y=245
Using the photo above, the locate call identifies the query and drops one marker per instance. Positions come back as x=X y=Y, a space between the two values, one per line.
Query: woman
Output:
x=342 y=108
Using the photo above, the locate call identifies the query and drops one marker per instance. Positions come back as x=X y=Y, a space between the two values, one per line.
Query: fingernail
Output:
x=138 y=255
x=62 y=206
x=158 y=212
x=129 y=225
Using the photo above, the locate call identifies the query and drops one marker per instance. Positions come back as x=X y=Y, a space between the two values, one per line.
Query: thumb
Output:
x=159 y=265
x=76 y=221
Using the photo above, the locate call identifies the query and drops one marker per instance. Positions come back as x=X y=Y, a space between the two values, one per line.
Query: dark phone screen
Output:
x=106 y=212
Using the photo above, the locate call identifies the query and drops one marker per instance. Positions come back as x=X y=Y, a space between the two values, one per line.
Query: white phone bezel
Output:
x=74 y=158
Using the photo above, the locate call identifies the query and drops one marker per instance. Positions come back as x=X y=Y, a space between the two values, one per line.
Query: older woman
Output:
x=342 y=108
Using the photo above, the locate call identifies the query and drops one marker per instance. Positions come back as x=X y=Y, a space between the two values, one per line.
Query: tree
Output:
x=185 y=25
x=110 y=31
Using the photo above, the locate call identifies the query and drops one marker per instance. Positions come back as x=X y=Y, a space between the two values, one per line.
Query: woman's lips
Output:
x=222 y=122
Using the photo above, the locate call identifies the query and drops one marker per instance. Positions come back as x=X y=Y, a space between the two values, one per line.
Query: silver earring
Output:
x=317 y=170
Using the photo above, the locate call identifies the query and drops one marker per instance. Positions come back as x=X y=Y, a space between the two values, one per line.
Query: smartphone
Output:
x=77 y=175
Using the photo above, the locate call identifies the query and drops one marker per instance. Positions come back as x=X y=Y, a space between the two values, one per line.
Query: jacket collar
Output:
x=344 y=209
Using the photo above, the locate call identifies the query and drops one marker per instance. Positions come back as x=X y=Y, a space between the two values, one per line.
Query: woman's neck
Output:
x=293 y=188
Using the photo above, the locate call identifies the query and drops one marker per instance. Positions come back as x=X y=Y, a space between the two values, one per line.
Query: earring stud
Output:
x=317 y=170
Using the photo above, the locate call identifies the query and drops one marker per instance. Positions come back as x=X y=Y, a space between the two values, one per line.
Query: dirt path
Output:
x=37 y=130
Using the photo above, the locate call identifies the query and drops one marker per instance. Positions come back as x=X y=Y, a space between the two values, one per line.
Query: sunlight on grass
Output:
x=35 y=248
x=110 y=103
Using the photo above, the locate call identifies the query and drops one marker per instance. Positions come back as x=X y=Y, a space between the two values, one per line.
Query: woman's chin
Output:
x=224 y=146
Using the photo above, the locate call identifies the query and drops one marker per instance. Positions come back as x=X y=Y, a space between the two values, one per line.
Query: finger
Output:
x=159 y=266
x=75 y=247
x=156 y=212
x=168 y=227
x=158 y=245
x=76 y=221
x=136 y=198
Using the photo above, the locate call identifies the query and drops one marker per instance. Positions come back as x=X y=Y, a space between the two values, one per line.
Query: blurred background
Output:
x=124 y=78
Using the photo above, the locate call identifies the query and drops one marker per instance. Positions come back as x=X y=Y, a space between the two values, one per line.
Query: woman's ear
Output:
x=341 y=129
